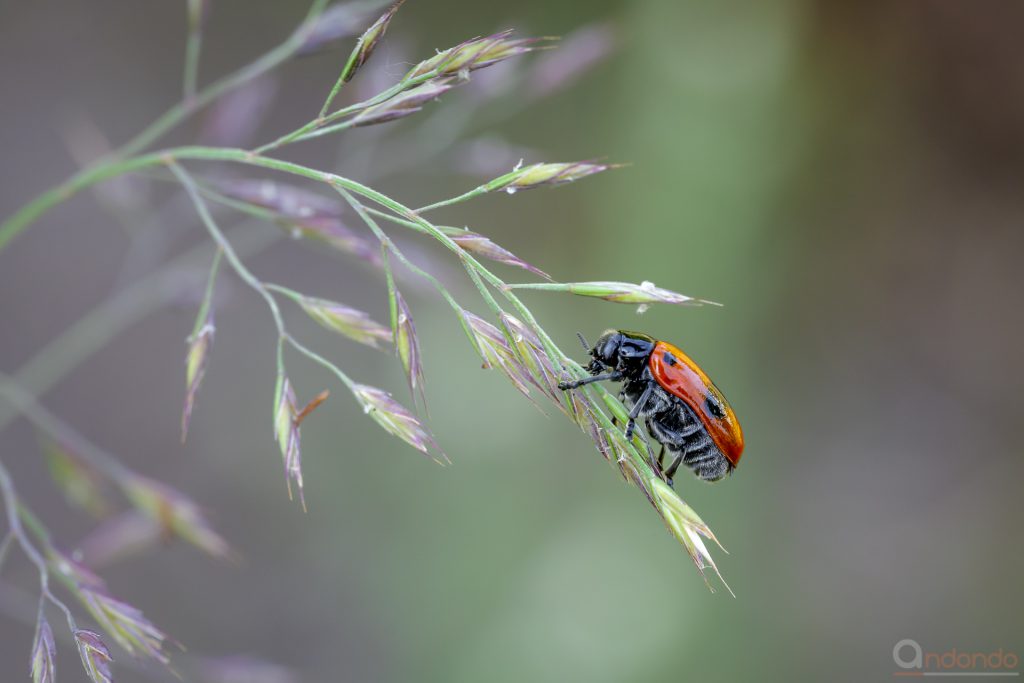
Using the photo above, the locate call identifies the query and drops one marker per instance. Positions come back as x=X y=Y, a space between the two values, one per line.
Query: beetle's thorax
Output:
x=624 y=351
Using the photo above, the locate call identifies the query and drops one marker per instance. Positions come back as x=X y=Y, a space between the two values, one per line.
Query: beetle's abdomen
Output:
x=672 y=423
x=682 y=432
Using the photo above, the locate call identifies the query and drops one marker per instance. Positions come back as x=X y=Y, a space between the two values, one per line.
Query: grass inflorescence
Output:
x=499 y=328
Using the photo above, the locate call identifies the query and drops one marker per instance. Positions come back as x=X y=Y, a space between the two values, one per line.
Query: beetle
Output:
x=684 y=411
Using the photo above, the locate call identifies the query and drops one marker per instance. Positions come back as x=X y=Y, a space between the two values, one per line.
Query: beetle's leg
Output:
x=670 y=472
x=611 y=376
x=637 y=408
x=661 y=456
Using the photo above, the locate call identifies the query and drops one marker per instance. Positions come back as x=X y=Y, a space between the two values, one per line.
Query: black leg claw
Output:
x=614 y=376
x=670 y=472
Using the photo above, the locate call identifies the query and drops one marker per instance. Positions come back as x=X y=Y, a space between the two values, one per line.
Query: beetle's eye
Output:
x=714 y=406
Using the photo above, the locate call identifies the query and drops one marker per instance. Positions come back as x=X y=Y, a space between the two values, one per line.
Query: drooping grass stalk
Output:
x=521 y=349
x=246 y=275
x=17 y=514
x=170 y=156
x=478 y=271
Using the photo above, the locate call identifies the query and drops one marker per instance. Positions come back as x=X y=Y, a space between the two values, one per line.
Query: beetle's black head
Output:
x=606 y=350
x=621 y=350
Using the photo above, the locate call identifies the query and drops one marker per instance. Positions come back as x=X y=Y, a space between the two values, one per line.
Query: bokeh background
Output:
x=845 y=178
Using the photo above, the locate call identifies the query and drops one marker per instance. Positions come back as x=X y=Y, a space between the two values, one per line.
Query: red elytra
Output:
x=680 y=376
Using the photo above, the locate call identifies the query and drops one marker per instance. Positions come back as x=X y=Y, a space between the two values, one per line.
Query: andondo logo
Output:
x=913 y=660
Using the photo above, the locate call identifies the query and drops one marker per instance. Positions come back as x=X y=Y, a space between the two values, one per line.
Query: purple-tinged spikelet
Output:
x=397 y=420
x=81 y=484
x=95 y=656
x=542 y=371
x=44 y=654
x=540 y=175
x=368 y=42
x=349 y=322
x=125 y=624
x=303 y=214
x=195 y=368
x=496 y=352
x=286 y=431
x=341 y=20
x=404 y=104
x=479 y=245
x=687 y=526
x=175 y=513
x=475 y=54
x=407 y=343
x=619 y=292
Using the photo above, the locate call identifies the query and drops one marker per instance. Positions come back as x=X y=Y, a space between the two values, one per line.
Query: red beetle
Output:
x=684 y=411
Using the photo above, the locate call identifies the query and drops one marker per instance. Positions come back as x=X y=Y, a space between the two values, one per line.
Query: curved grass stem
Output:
x=255 y=283
x=114 y=164
x=17 y=514
x=405 y=215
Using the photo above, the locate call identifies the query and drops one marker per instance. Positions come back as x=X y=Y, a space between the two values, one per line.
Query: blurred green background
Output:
x=844 y=177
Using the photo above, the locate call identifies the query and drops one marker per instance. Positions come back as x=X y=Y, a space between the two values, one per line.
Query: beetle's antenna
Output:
x=586 y=346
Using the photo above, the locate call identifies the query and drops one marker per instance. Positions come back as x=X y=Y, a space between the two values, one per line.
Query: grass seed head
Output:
x=687 y=526
x=397 y=420
x=346 y=321
x=543 y=372
x=497 y=353
x=341 y=20
x=479 y=245
x=175 y=513
x=407 y=344
x=403 y=104
x=286 y=431
x=44 y=654
x=540 y=175
x=125 y=624
x=632 y=475
x=475 y=54
x=333 y=233
x=619 y=292
x=95 y=656
x=369 y=40
x=82 y=485
x=199 y=345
